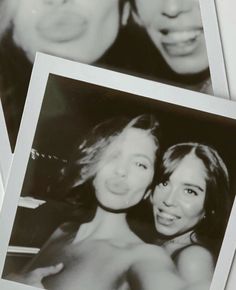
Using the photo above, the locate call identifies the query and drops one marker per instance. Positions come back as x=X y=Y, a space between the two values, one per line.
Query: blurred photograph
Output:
x=159 y=40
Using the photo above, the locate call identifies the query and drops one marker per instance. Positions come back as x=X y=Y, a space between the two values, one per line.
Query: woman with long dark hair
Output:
x=191 y=208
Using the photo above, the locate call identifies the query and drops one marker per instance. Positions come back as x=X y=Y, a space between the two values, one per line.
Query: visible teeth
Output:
x=167 y=215
x=180 y=36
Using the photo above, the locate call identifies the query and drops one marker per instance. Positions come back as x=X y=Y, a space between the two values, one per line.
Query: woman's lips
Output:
x=166 y=218
x=180 y=43
x=62 y=26
x=172 y=37
x=117 y=186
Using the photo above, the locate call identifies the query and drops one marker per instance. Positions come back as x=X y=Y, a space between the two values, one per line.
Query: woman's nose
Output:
x=170 y=198
x=121 y=168
x=173 y=8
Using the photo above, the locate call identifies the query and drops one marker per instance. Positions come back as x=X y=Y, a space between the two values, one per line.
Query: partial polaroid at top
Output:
x=167 y=41
x=93 y=188
x=226 y=16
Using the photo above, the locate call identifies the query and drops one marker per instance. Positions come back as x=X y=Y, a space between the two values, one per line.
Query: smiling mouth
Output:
x=180 y=43
x=166 y=218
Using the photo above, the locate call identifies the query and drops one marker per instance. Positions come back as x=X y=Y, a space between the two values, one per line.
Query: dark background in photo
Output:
x=88 y=104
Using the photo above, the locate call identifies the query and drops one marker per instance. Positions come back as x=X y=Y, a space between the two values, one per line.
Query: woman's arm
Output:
x=35 y=277
x=33 y=273
x=44 y=257
x=154 y=270
x=196 y=266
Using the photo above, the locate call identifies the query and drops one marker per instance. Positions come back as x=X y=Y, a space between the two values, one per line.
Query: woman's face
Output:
x=126 y=169
x=178 y=203
x=80 y=30
x=175 y=27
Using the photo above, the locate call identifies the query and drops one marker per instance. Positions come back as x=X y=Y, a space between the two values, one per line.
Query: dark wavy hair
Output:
x=81 y=168
x=217 y=199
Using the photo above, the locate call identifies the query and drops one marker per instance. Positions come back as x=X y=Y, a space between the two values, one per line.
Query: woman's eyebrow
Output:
x=194 y=185
x=144 y=156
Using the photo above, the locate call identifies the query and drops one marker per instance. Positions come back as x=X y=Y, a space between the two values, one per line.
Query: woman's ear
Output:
x=125 y=14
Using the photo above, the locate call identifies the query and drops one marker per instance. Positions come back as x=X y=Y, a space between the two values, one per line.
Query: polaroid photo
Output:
x=213 y=39
x=5 y=149
x=97 y=160
x=137 y=37
x=226 y=16
x=2 y=192
x=231 y=278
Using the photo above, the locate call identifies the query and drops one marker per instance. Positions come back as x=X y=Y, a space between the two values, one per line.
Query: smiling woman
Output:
x=190 y=208
x=176 y=29
x=186 y=187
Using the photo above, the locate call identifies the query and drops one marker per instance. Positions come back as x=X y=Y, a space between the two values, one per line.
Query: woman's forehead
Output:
x=132 y=140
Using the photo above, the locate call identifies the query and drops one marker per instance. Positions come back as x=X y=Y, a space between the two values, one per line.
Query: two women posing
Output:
x=114 y=169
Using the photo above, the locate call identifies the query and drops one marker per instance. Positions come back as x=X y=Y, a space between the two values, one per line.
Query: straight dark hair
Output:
x=217 y=200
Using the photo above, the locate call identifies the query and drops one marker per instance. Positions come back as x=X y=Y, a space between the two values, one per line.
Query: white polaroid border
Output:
x=2 y=192
x=45 y=65
x=231 y=282
x=5 y=149
x=226 y=14
x=214 y=48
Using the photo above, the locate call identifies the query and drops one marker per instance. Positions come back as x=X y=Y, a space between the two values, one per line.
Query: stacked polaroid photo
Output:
x=117 y=162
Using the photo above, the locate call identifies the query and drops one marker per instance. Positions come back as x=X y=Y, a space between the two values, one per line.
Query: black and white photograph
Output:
x=231 y=278
x=5 y=150
x=226 y=16
x=1 y=191
x=132 y=190
x=165 y=41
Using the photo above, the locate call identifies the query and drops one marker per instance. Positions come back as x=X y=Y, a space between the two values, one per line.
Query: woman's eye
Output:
x=141 y=165
x=164 y=183
x=190 y=191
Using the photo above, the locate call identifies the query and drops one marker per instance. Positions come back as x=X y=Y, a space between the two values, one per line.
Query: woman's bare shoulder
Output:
x=195 y=263
x=152 y=268
x=152 y=254
x=195 y=252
